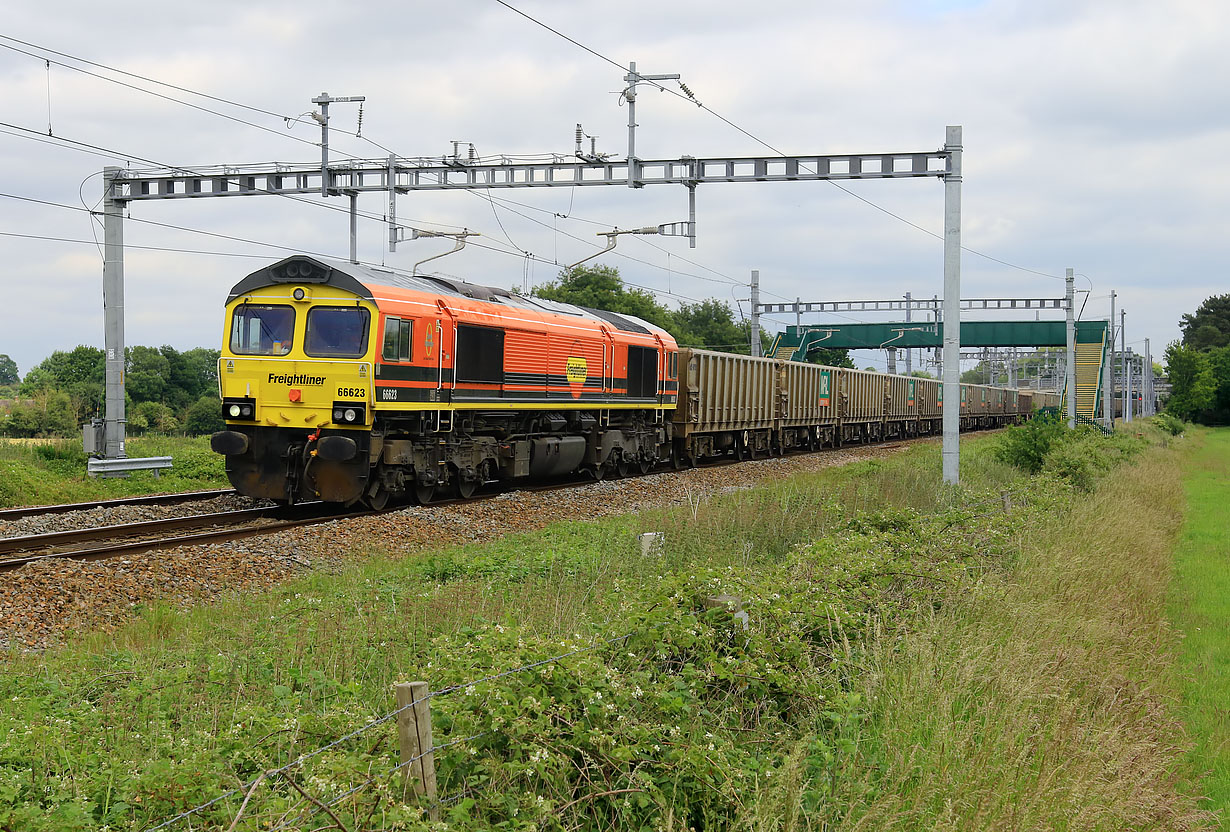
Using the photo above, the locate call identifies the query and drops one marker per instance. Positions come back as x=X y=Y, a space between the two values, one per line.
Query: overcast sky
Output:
x=1095 y=137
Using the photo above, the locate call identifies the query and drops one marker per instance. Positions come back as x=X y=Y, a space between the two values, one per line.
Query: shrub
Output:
x=1026 y=446
x=204 y=416
x=47 y=413
x=1170 y=423
x=1083 y=456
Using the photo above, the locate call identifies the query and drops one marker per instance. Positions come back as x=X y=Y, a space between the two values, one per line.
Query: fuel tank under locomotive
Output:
x=288 y=465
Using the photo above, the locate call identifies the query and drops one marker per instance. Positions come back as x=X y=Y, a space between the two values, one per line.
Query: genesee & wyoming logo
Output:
x=298 y=379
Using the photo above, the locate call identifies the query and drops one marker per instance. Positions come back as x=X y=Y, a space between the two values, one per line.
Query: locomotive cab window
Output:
x=642 y=373
x=480 y=354
x=673 y=366
x=262 y=330
x=397 y=339
x=336 y=332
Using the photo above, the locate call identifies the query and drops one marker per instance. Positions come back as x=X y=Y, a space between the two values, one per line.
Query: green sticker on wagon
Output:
x=910 y=393
x=825 y=398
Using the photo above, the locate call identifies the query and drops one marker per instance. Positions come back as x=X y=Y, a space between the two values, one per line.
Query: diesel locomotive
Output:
x=350 y=383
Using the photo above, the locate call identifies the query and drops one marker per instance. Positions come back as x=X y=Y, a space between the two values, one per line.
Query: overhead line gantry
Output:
x=397 y=175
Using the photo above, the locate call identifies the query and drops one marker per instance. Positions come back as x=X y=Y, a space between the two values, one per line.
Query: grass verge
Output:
x=1037 y=698
x=881 y=606
x=53 y=471
x=1200 y=609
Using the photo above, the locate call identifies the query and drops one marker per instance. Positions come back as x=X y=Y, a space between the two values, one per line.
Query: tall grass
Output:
x=1037 y=699
x=46 y=471
x=918 y=658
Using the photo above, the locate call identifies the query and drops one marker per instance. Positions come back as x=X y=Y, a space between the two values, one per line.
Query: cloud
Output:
x=1094 y=138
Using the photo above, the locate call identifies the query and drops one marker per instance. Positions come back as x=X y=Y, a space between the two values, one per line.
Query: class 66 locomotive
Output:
x=347 y=383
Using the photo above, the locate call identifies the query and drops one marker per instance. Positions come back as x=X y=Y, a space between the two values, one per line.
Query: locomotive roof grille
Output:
x=620 y=321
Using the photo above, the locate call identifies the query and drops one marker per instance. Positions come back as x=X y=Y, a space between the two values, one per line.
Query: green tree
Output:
x=1219 y=364
x=194 y=371
x=600 y=287
x=147 y=376
x=710 y=324
x=831 y=358
x=1209 y=325
x=1193 y=385
x=80 y=373
x=8 y=370
x=204 y=416
x=48 y=412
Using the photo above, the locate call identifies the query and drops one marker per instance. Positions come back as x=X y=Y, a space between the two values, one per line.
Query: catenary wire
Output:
x=160 y=95
x=290 y=121
x=766 y=144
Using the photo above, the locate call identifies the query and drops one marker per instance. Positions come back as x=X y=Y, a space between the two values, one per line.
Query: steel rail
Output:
x=47 y=540
x=328 y=513
x=320 y=514
x=153 y=499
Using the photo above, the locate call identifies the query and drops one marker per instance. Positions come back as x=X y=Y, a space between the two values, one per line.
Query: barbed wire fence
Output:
x=405 y=714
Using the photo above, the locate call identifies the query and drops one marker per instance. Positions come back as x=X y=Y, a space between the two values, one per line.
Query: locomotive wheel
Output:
x=424 y=494
x=622 y=467
x=598 y=472
x=646 y=465
x=466 y=487
x=380 y=500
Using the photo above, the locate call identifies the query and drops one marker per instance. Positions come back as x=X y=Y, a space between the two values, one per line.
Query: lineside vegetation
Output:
x=1200 y=608
x=47 y=471
x=989 y=657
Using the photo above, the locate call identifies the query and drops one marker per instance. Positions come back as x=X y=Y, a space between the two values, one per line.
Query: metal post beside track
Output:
x=952 y=307
x=113 y=316
x=1070 y=367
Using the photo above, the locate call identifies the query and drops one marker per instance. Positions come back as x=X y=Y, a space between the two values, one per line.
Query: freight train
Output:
x=348 y=383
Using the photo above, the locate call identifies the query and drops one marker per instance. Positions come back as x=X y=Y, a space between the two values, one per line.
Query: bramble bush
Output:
x=674 y=726
x=1080 y=456
x=1170 y=423
x=1026 y=446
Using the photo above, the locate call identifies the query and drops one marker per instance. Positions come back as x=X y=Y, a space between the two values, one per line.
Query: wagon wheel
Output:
x=424 y=494
x=678 y=459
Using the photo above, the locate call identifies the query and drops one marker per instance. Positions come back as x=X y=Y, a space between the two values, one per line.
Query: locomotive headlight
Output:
x=234 y=411
x=299 y=294
x=337 y=415
x=349 y=414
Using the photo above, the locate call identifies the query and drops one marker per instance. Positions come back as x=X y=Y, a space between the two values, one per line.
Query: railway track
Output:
x=154 y=500
x=134 y=538
x=103 y=542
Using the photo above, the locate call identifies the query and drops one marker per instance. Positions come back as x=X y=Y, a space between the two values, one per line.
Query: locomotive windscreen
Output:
x=336 y=332
x=262 y=330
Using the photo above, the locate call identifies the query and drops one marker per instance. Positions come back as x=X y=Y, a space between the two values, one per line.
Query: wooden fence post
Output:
x=414 y=740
